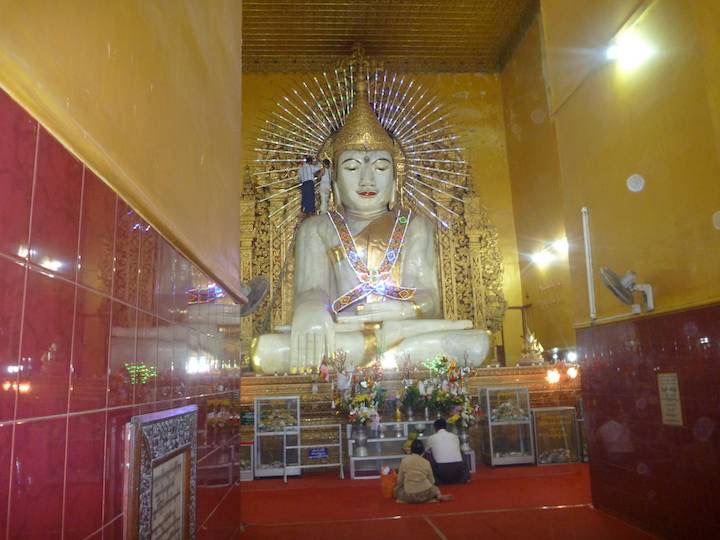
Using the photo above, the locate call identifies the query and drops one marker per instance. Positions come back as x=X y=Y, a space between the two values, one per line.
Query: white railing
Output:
x=298 y=432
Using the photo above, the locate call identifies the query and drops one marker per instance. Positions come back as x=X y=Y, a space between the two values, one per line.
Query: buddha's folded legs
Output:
x=469 y=345
x=391 y=333
x=417 y=340
x=271 y=352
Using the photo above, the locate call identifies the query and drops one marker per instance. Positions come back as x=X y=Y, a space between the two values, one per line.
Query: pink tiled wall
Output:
x=664 y=478
x=87 y=288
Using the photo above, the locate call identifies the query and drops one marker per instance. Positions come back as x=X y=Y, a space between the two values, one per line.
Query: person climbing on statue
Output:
x=307 y=173
x=325 y=185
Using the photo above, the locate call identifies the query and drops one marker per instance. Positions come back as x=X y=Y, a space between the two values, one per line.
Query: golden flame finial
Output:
x=362 y=130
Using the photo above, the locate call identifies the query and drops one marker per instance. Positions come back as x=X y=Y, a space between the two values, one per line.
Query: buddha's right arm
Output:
x=312 y=265
x=419 y=266
x=312 y=333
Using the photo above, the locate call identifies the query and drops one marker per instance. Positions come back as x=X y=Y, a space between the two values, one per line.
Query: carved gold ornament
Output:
x=361 y=130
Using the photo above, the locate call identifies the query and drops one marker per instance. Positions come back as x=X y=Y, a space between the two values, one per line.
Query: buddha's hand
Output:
x=312 y=336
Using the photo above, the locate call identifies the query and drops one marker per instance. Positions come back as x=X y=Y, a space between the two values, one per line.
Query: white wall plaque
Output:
x=168 y=498
x=670 y=405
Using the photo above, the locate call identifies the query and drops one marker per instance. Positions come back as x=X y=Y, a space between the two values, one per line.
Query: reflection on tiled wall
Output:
x=665 y=478
x=95 y=327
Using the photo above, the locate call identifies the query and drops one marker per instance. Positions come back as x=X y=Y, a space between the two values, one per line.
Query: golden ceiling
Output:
x=419 y=36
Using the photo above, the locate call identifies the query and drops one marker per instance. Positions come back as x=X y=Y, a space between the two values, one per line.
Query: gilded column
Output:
x=474 y=230
x=284 y=304
x=275 y=270
x=247 y=234
x=447 y=255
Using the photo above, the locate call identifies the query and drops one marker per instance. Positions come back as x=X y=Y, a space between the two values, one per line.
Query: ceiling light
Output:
x=541 y=258
x=629 y=50
x=561 y=245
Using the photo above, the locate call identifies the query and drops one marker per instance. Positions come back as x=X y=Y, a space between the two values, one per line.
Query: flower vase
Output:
x=427 y=413
x=361 y=438
x=464 y=437
x=409 y=414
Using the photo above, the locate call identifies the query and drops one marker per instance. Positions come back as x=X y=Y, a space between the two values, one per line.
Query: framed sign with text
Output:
x=160 y=482
x=670 y=403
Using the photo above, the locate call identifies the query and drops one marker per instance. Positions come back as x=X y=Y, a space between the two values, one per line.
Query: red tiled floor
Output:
x=545 y=503
x=582 y=523
x=525 y=487
x=578 y=523
x=416 y=528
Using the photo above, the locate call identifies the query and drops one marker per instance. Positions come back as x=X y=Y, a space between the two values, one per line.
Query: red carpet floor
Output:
x=536 y=503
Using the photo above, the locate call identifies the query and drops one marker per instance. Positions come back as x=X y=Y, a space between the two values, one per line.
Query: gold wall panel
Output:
x=542 y=394
x=428 y=36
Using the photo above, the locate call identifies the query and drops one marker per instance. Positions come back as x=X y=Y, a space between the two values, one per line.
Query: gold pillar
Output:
x=247 y=234
x=447 y=271
x=474 y=231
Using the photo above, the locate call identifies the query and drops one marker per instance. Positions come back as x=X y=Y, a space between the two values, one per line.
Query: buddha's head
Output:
x=365 y=160
x=365 y=179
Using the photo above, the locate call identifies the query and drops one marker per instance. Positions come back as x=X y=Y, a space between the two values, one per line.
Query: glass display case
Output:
x=245 y=461
x=215 y=465
x=370 y=450
x=277 y=421
x=556 y=435
x=506 y=426
x=217 y=453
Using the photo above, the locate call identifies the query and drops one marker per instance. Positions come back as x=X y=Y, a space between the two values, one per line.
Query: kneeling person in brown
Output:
x=415 y=483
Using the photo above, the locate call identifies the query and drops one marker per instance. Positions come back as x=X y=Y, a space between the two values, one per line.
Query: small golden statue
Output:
x=532 y=352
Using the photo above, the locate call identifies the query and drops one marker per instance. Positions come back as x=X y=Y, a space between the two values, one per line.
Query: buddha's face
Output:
x=365 y=179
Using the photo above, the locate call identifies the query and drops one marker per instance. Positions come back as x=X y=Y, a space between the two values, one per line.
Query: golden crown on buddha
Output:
x=362 y=131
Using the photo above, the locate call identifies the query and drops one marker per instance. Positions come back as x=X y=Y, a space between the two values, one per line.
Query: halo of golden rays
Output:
x=435 y=174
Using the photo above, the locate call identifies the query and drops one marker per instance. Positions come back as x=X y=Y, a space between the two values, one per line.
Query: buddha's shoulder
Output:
x=420 y=223
x=315 y=225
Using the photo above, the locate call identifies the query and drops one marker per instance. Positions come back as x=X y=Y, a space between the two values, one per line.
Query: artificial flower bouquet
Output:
x=443 y=402
x=464 y=414
x=362 y=408
x=366 y=396
x=411 y=397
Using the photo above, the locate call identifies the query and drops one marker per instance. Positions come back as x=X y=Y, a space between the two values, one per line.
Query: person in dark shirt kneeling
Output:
x=443 y=452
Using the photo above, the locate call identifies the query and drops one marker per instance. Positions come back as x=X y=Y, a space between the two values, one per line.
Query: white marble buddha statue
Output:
x=366 y=275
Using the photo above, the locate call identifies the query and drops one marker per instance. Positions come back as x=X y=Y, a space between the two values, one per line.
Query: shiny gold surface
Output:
x=411 y=35
x=361 y=130
x=542 y=394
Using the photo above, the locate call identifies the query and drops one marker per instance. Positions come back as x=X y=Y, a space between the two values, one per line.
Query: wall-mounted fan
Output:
x=624 y=288
x=255 y=290
x=229 y=314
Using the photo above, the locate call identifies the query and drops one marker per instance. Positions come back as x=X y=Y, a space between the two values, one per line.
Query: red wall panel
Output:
x=665 y=478
x=87 y=291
